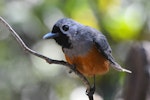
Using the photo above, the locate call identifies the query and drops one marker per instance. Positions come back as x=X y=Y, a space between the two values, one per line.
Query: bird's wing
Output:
x=104 y=48
x=100 y=42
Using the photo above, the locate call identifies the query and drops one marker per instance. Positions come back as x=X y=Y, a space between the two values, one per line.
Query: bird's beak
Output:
x=50 y=35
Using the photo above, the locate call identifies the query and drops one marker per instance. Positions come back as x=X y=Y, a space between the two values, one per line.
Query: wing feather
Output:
x=104 y=47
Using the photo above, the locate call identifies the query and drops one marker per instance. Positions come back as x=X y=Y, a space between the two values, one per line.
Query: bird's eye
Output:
x=65 y=27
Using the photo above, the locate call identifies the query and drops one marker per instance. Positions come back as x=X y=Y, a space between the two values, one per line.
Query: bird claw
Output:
x=90 y=91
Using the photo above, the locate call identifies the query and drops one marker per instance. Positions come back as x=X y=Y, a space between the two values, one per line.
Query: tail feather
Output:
x=119 y=68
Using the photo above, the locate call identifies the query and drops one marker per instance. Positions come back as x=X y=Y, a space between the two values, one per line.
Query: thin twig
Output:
x=50 y=61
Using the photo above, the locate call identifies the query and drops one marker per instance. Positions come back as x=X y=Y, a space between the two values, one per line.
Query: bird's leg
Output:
x=91 y=91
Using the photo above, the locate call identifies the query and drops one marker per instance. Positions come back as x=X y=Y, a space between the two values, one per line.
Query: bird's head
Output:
x=64 y=32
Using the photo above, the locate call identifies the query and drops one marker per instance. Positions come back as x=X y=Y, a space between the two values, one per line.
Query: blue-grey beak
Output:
x=50 y=35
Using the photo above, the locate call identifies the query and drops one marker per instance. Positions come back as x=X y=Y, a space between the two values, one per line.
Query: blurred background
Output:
x=126 y=24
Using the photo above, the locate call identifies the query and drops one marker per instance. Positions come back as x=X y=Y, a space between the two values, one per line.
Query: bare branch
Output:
x=50 y=61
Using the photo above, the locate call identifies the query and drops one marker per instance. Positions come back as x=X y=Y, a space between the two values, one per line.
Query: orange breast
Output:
x=91 y=63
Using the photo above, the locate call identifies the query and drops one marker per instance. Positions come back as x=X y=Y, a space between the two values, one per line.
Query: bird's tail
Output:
x=119 y=68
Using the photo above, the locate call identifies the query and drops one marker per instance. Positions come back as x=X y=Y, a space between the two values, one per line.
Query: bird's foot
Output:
x=90 y=91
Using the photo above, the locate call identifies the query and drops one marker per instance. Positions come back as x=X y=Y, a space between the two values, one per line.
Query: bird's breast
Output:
x=78 y=48
x=89 y=63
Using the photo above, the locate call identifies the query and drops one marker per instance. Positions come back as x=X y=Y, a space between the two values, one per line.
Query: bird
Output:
x=84 y=47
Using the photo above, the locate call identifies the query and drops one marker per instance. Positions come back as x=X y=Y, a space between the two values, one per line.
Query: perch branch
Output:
x=50 y=61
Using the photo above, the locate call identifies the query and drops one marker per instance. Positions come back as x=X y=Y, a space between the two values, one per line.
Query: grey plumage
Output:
x=77 y=39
